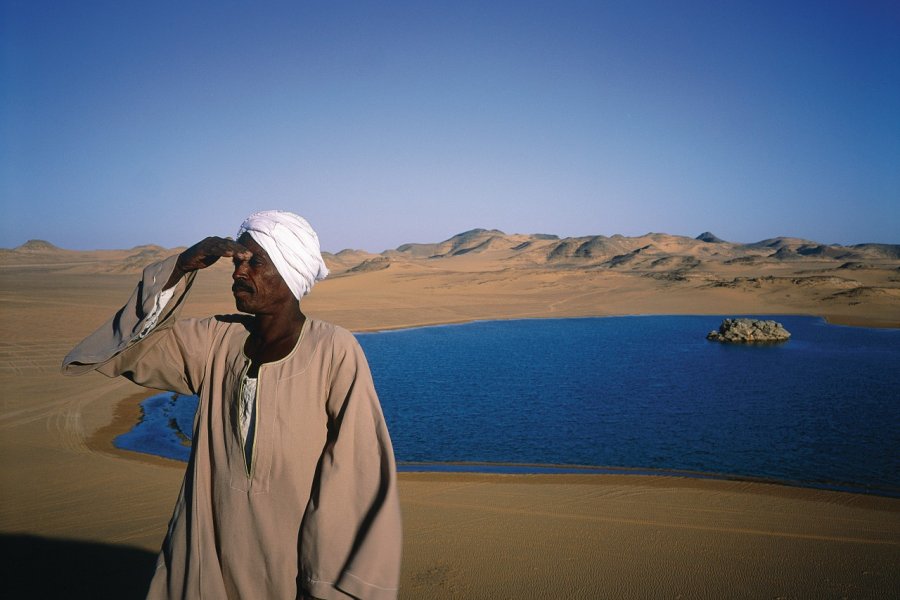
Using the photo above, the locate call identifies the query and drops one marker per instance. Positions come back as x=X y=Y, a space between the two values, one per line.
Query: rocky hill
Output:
x=831 y=274
x=584 y=275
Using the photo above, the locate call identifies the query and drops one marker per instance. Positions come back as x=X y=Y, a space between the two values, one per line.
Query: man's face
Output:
x=258 y=286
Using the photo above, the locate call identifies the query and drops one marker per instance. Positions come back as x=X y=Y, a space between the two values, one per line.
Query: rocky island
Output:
x=743 y=331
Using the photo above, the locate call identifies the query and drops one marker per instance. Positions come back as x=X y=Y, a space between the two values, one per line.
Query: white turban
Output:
x=291 y=244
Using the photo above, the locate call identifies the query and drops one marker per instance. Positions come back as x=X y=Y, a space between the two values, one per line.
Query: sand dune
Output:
x=66 y=490
x=489 y=274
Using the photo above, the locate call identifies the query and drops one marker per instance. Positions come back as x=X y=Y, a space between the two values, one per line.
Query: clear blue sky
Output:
x=125 y=123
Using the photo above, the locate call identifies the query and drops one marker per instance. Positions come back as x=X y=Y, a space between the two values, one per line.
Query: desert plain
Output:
x=79 y=518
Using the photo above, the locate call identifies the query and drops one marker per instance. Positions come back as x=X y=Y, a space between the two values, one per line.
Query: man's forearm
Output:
x=175 y=277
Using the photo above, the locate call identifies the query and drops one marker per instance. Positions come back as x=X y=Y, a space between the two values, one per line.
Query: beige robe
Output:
x=316 y=511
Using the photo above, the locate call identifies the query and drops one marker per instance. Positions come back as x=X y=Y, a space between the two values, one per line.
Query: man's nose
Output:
x=240 y=271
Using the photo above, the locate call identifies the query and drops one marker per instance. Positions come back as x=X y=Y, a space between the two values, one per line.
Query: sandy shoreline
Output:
x=479 y=535
x=841 y=320
x=67 y=497
x=127 y=413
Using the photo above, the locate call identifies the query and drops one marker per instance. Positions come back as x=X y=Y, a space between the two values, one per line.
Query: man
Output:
x=290 y=490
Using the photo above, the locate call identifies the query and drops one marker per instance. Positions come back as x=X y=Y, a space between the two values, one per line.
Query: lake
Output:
x=647 y=394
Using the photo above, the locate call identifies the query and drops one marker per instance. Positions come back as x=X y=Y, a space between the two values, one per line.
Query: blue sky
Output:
x=125 y=123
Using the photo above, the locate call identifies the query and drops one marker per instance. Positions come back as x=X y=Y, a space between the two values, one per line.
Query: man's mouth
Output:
x=240 y=287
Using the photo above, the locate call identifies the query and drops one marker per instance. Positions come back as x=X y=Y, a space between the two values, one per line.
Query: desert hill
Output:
x=37 y=246
x=483 y=273
x=710 y=237
x=41 y=253
x=650 y=252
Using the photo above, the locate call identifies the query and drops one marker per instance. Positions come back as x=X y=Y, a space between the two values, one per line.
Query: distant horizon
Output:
x=487 y=229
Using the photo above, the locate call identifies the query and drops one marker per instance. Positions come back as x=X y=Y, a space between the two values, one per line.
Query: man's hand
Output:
x=203 y=254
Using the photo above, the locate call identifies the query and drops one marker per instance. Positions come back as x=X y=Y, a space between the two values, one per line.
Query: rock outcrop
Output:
x=37 y=246
x=710 y=238
x=379 y=263
x=741 y=331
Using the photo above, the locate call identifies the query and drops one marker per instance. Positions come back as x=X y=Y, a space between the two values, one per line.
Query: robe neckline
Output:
x=286 y=357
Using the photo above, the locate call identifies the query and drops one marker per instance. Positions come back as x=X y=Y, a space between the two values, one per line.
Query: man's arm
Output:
x=204 y=254
x=141 y=340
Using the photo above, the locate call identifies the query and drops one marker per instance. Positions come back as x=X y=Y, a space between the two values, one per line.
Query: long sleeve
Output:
x=146 y=344
x=351 y=538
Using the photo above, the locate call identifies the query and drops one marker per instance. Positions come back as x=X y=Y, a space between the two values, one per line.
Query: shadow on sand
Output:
x=36 y=567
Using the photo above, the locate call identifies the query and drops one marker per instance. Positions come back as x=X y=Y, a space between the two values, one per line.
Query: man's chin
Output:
x=242 y=305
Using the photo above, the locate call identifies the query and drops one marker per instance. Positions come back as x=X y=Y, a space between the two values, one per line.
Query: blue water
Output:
x=643 y=393
x=165 y=428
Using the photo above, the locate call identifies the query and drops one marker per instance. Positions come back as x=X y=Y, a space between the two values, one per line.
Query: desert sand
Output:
x=72 y=505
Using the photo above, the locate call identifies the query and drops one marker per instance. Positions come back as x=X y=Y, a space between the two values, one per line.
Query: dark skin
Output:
x=258 y=290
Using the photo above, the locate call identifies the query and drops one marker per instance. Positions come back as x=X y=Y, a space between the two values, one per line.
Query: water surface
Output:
x=644 y=393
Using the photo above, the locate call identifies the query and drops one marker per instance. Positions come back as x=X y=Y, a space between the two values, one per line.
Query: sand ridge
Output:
x=487 y=274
